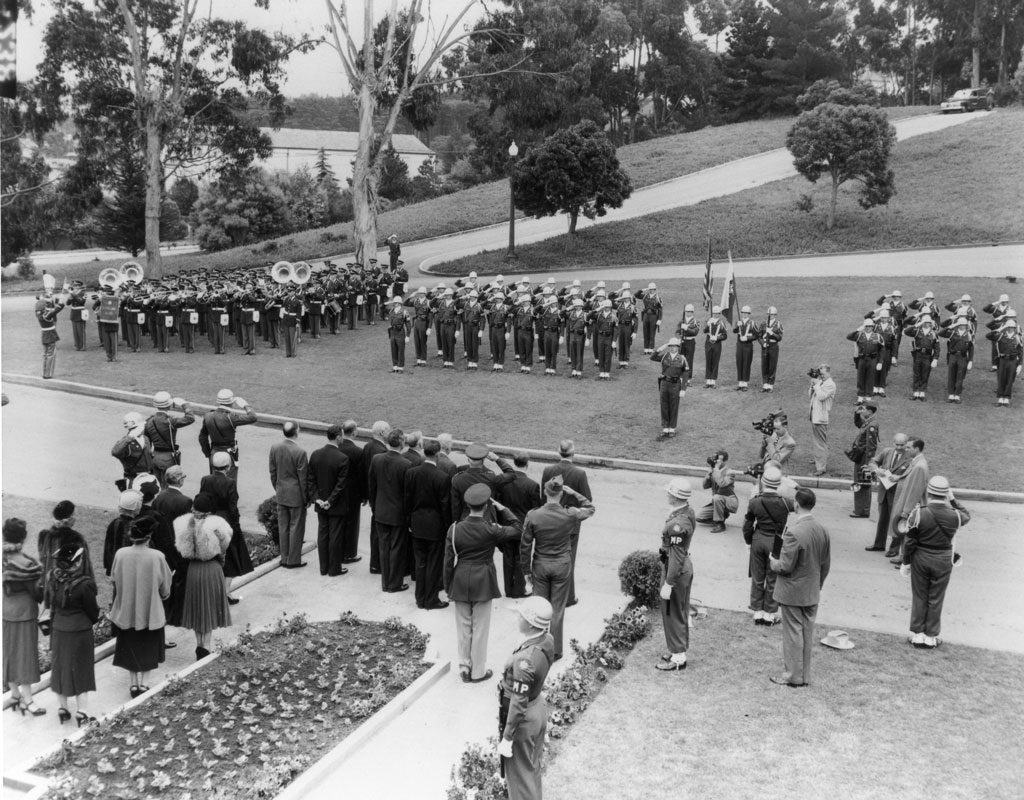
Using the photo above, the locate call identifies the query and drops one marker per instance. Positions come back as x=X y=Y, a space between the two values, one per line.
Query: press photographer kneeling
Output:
x=723 y=493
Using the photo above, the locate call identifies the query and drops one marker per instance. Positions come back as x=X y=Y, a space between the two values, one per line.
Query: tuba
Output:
x=111 y=278
x=282 y=272
x=301 y=272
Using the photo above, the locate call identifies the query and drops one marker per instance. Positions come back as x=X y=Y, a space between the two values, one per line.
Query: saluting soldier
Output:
x=963 y=308
x=998 y=310
x=554 y=333
x=769 y=336
x=671 y=384
x=925 y=305
x=604 y=333
x=522 y=710
x=650 y=315
x=420 y=305
x=447 y=316
x=959 y=356
x=47 y=308
x=869 y=349
x=884 y=328
x=399 y=328
x=522 y=319
x=499 y=325
x=746 y=332
x=864 y=447
x=1009 y=356
x=473 y=328
x=715 y=333
x=924 y=350
x=577 y=326
x=676 y=575
x=217 y=433
x=625 y=332
x=687 y=331
x=161 y=430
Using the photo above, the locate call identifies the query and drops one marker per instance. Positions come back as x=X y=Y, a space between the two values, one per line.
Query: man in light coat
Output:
x=910 y=491
x=288 y=475
x=822 y=393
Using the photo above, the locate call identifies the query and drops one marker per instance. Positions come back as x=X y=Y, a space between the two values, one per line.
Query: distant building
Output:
x=295 y=148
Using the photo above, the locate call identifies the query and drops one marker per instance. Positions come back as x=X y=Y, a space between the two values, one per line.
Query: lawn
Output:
x=881 y=720
x=647 y=162
x=953 y=187
x=349 y=376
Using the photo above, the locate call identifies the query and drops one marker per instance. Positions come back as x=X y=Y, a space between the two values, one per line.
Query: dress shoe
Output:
x=718 y=527
x=573 y=602
x=352 y=560
x=874 y=549
x=897 y=561
x=860 y=516
x=374 y=571
x=464 y=674
x=401 y=588
x=295 y=566
x=782 y=680
x=917 y=639
x=890 y=553
x=341 y=571
x=485 y=677
x=438 y=604
x=670 y=666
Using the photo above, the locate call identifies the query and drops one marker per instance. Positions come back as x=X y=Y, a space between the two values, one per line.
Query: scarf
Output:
x=18 y=567
x=62 y=581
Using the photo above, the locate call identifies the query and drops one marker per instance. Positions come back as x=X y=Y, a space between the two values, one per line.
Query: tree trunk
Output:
x=154 y=190
x=364 y=182
x=1002 y=55
x=976 y=43
x=570 y=242
x=832 y=204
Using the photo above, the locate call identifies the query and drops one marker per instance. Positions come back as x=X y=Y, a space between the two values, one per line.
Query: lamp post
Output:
x=513 y=151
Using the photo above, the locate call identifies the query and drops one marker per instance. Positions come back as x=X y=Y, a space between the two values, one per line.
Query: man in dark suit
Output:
x=172 y=502
x=576 y=479
x=521 y=496
x=288 y=475
x=802 y=565
x=355 y=491
x=376 y=446
x=888 y=466
x=444 y=461
x=428 y=501
x=387 y=503
x=414 y=447
x=476 y=473
x=326 y=479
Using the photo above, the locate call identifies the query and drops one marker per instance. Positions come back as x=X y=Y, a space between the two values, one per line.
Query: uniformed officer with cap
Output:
x=1009 y=356
x=399 y=328
x=959 y=356
x=47 y=308
x=162 y=431
x=686 y=332
x=714 y=334
x=769 y=336
x=523 y=712
x=746 y=332
x=671 y=384
x=217 y=433
x=864 y=447
x=676 y=574
x=924 y=350
x=869 y=349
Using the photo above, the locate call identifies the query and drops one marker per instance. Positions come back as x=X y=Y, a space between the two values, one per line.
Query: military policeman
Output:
x=671 y=384
x=863 y=450
x=686 y=332
x=217 y=433
x=746 y=332
x=769 y=336
x=959 y=356
x=1009 y=356
x=676 y=575
x=399 y=328
x=924 y=351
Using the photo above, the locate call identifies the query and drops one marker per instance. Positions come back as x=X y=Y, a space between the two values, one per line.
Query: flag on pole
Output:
x=730 y=302
x=708 y=284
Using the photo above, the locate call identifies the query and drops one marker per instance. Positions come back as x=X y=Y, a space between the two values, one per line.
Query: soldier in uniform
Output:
x=132 y=450
x=219 y=320
x=924 y=350
x=248 y=319
x=998 y=310
x=189 y=321
x=47 y=308
x=79 y=314
x=687 y=331
x=499 y=325
x=1009 y=356
x=473 y=328
x=925 y=305
x=626 y=319
x=554 y=333
x=869 y=349
x=522 y=710
x=420 y=304
x=290 y=313
x=671 y=384
x=447 y=316
x=650 y=315
x=522 y=319
x=898 y=312
x=714 y=334
x=577 y=326
x=107 y=329
x=763 y=524
x=162 y=432
x=399 y=328
x=769 y=336
x=217 y=433
x=676 y=575
x=860 y=453
x=884 y=328
x=746 y=332
x=959 y=356
x=604 y=334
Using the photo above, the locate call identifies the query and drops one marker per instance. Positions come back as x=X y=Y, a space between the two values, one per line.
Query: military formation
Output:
x=878 y=339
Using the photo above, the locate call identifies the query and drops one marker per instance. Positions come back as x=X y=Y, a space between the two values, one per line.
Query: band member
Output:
x=217 y=433
x=715 y=333
x=47 y=309
x=399 y=328
x=671 y=384
x=687 y=331
x=291 y=310
x=108 y=321
x=219 y=321
x=189 y=321
x=746 y=332
x=135 y=319
x=248 y=320
x=79 y=314
x=769 y=336
x=522 y=319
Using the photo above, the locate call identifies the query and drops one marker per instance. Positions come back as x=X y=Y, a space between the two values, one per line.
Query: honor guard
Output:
x=884 y=328
x=499 y=327
x=1009 y=356
x=577 y=327
x=959 y=356
x=925 y=305
x=604 y=334
x=626 y=319
x=868 y=350
x=687 y=331
x=522 y=320
x=554 y=333
x=399 y=329
x=746 y=332
x=924 y=350
x=650 y=315
x=898 y=313
x=715 y=332
x=217 y=433
x=421 y=313
x=671 y=384
x=472 y=327
x=998 y=310
x=963 y=308
x=769 y=336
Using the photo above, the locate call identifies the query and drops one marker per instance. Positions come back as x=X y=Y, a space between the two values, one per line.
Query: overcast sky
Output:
x=316 y=73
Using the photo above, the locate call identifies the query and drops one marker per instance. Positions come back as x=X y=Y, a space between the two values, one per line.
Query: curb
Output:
x=599 y=462
x=322 y=770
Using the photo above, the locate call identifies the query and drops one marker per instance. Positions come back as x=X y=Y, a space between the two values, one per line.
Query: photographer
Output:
x=822 y=393
x=723 y=493
x=778 y=445
x=861 y=453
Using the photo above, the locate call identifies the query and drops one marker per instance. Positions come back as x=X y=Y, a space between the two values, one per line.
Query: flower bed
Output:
x=250 y=721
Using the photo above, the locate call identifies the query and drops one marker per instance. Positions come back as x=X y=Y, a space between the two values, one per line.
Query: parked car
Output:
x=969 y=100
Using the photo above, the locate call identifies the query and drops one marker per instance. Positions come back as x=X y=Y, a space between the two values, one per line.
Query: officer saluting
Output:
x=523 y=713
x=671 y=384
x=217 y=434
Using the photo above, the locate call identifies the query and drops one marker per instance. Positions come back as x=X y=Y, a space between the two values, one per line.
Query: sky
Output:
x=319 y=72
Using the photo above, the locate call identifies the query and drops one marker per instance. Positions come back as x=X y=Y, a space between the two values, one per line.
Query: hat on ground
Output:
x=220 y=460
x=225 y=397
x=554 y=486
x=838 y=640
x=537 y=612
x=679 y=488
x=203 y=503
x=15 y=530
x=162 y=400
x=673 y=342
x=771 y=479
x=65 y=509
x=477 y=495
x=938 y=486
x=477 y=452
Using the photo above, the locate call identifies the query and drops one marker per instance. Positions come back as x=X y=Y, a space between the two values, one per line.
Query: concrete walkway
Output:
x=984 y=606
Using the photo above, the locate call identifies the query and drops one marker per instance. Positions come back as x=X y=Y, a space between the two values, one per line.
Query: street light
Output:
x=513 y=151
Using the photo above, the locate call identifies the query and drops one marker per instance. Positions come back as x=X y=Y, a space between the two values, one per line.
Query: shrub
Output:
x=26 y=267
x=805 y=203
x=640 y=577
x=266 y=515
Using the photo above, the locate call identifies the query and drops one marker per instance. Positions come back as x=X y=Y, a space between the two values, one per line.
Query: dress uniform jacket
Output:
x=474 y=578
x=218 y=429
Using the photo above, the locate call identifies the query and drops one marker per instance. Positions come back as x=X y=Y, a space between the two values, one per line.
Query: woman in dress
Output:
x=23 y=589
x=61 y=534
x=202 y=538
x=142 y=581
x=72 y=595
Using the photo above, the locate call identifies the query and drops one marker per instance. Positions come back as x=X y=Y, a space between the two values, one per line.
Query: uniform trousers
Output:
x=472 y=627
x=687 y=349
x=819 y=445
x=523 y=769
x=649 y=323
x=574 y=545
x=429 y=556
x=866 y=370
x=550 y=349
x=291 y=341
x=188 y=336
x=719 y=509
x=668 y=392
x=218 y=333
x=885 y=499
x=861 y=490
x=897 y=340
x=498 y=344
x=249 y=337
x=675 y=612
x=922 y=371
x=374 y=546
x=577 y=346
x=420 y=325
x=108 y=338
x=624 y=335
x=604 y=351
x=797 y=641
x=78 y=333
x=163 y=333
x=391 y=539
x=350 y=537
x=744 y=358
x=769 y=363
x=1006 y=371
x=315 y=323
x=885 y=363
x=134 y=334
x=956 y=365
x=447 y=341
x=551 y=581
x=524 y=341
x=929 y=577
x=275 y=329
x=291 y=527
x=330 y=537
x=762 y=579
x=49 y=359
x=371 y=309
x=539 y=337
x=472 y=342
x=398 y=347
x=712 y=355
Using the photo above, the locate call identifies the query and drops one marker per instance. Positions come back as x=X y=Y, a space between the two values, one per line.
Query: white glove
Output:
x=905 y=570
x=615 y=345
x=456 y=336
x=429 y=329
x=1017 y=372
x=179 y=402
x=666 y=591
x=508 y=336
x=657 y=325
x=480 y=335
x=587 y=343
x=969 y=365
x=878 y=366
x=561 y=340
x=682 y=392
x=935 y=363
x=407 y=340
x=505 y=748
x=632 y=337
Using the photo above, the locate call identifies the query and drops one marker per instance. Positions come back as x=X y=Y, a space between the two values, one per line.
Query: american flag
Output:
x=708 y=283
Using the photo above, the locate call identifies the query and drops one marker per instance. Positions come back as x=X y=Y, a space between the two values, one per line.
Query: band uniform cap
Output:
x=688 y=307
x=537 y=612
x=162 y=400
x=679 y=488
x=225 y=397
x=772 y=310
x=771 y=478
x=938 y=486
x=477 y=451
x=673 y=342
x=965 y=299
x=716 y=309
x=745 y=310
x=220 y=460
x=838 y=640
x=929 y=295
x=175 y=472
x=1004 y=298
x=477 y=494
x=555 y=485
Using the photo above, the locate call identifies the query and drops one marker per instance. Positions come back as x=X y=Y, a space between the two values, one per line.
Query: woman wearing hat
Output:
x=72 y=592
x=671 y=384
x=142 y=581
x=523 y=713
x=118 y=535
x=61 y=534
x=22 y=582
x=202 y=538
x=676 y=574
